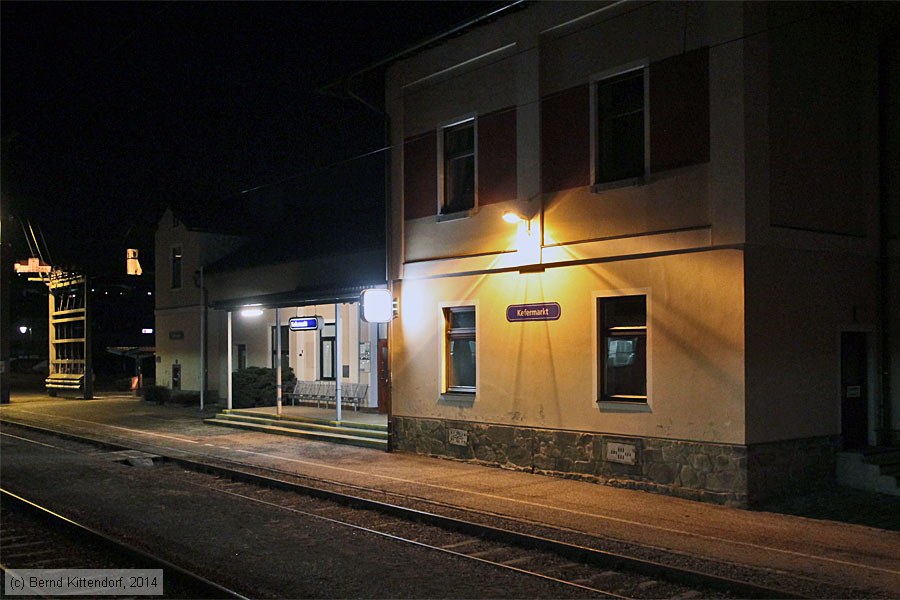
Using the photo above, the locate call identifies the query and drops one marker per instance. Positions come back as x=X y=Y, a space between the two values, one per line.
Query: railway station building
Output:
x=220 y=296
x=651 y=244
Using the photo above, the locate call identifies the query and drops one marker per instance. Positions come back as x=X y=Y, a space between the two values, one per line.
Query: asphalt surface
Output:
x=824 y=539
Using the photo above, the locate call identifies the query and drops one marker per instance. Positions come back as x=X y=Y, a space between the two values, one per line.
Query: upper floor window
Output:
x=620 y=134
x=176 y=267
x=460 y=348
x=622 y=348
x=458 y=167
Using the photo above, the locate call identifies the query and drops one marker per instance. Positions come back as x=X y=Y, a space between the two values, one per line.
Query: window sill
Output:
x=620 y=183
x=623 y=407
x=455 y=216
x=461 y=399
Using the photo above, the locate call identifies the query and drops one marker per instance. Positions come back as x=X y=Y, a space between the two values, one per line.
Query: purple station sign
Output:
x=543 y=311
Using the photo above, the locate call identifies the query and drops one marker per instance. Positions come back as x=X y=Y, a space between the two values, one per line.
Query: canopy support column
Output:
x=278 y=361
x=338 y=361
x=230 y=359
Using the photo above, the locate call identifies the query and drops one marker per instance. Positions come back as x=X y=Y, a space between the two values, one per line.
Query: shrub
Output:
x=255 y=386
x=157 y=393
x=192 y=398
x=186 y=398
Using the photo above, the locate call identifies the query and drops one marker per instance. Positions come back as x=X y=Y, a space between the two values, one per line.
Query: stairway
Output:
x=339 y=432
x=873 y=469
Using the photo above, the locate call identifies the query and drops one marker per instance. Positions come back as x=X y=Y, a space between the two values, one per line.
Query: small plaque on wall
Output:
x=621 y=453
x=458 y=437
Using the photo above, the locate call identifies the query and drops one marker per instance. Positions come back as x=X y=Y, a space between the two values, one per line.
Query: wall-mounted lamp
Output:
x=528 y=246
x=23 y=329
x=515 y=218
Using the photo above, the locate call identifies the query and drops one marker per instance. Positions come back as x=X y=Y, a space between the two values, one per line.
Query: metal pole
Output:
x=229 y=360
x=202 y=342
x=338 y=368
x=278 y=361
x=88 y=357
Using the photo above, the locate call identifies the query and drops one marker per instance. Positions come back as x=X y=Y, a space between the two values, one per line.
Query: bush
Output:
x=192 y=398
x=157 y=393
x=255 y=386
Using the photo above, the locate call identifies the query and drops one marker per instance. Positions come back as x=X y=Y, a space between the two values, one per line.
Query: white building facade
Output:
x=217 y=312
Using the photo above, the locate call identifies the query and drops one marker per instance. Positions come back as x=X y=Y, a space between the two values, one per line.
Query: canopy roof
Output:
x=305 y=297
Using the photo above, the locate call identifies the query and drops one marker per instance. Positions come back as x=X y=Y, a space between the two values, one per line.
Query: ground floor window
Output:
x=460 y=348
x=622 y=348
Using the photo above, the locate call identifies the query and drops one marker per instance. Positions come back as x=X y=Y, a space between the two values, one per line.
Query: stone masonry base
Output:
x=729 y=474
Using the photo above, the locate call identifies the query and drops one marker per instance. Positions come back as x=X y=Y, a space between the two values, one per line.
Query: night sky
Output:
x=112 y=111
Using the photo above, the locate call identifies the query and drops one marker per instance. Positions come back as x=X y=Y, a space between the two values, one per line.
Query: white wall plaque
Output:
x=458 y=437
x=621 y=453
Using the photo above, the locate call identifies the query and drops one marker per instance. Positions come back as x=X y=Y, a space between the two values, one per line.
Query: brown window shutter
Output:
x=420 y=176
x=497 y=156
x=679 y=111
x=565 y=139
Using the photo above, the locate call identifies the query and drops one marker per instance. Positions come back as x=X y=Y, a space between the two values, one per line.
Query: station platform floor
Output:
x=828 y=545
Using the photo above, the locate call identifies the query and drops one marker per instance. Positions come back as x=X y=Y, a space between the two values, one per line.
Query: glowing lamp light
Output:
x=23 y=329
x=132 y=264
x=252 y=311
x=528 y=246
x=377 y=306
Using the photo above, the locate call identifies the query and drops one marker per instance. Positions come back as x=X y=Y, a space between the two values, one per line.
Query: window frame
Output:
x=612 y=404
x=447 y=308
x=596 y=80
x=442 y=168
x=180 y=262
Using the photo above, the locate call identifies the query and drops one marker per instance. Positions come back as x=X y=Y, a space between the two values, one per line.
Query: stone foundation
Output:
x=718 y=473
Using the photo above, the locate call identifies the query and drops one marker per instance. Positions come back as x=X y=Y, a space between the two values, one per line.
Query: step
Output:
x=322 y=436
x=301 y=419
x=310 y=425
x=882 y=457
x=854 y=470
x=890 y=470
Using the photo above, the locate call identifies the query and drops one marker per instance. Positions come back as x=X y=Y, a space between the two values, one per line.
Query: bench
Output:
x=324 y=392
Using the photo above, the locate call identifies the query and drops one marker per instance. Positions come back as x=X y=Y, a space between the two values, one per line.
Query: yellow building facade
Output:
x=639 y=244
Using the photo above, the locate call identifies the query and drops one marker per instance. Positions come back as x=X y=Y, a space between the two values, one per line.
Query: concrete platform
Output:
x=830 y=548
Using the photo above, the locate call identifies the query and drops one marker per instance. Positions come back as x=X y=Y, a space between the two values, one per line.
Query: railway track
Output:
x=596 y=572
x=34 y=537
x=502 y=544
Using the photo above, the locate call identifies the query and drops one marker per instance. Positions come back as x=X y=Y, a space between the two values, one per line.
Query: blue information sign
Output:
x=304 y=323
x=543 y=311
